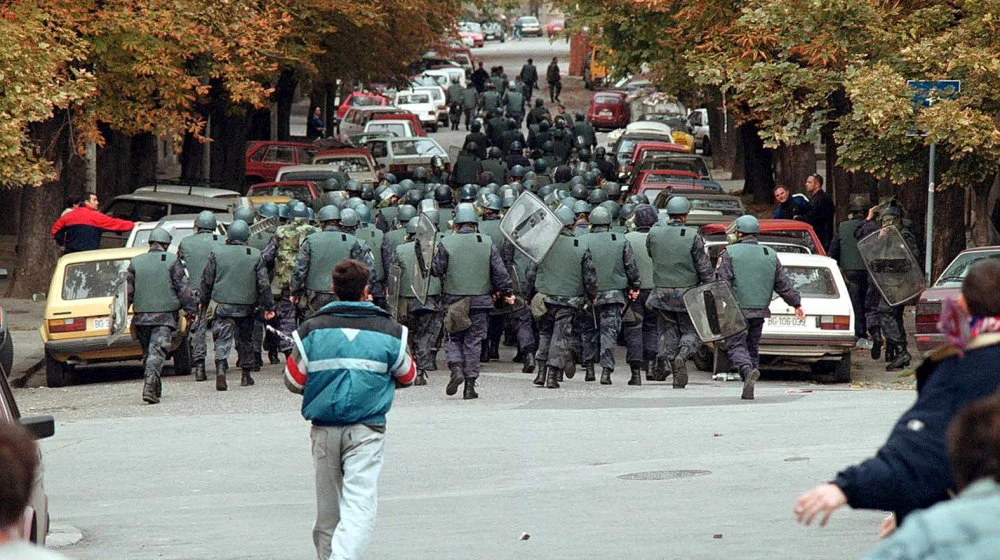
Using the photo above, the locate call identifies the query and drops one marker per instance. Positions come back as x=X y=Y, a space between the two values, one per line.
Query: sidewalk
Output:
x=23 y=319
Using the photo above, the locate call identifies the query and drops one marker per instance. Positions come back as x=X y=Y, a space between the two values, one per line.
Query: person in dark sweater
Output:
x=911 y=470
x=819 y=212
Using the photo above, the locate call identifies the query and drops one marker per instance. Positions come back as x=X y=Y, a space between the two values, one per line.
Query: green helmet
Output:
x=297 y=210
x=597 y=196
x=238 y=231
x=747 y=224
x=612 y=208
x=282 y=210
x=493 y=202
x=328 y=213
x=243 y=213
x=678 y=206
x=205 y=220
x=406 y=213
x=364 y=213
x=465 y=213
x=565 y=216
x=411 y=225
x=349 y=218
x=268 y=210
x=160 y=235
x=467 y=193
x=582 y=207
x=578 y=192
x=626 y=211
x=600 y=217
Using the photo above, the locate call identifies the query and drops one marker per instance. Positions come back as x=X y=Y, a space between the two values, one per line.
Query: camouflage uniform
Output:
x=280 y=255
x=317 y=299
x=155 y=330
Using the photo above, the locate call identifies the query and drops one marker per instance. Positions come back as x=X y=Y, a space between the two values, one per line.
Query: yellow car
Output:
x=75 y=326
x=684 y=139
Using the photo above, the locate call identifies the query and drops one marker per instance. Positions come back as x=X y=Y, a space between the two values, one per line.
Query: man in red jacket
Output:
x=80 y=228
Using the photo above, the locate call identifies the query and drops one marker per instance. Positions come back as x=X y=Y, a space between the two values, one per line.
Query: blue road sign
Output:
x=925 y=93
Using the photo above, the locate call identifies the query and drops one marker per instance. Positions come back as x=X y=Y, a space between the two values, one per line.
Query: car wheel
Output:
x=434 y=128
x=704 y=358
x=57 y=374
x=706 y=146
x=182 y=357
x=834 y=372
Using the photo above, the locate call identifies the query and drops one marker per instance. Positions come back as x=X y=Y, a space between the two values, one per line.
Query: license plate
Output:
x=785 y=321
x=104 y=323
x=605 y=113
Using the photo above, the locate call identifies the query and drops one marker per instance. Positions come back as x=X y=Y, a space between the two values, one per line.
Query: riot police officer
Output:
x=584 y=132
x=476 y=141
x=467 y=166
x=844 y=249
x=617 y=278
x=397 y=235
x=489 y=100
x=320 y=253
x=607 y=168
x=562 y=283
x=375 y=240
x=642 y=337
x=235 y=279
x=489 y=224
x=456 y=98
x=495 y=164
x=422 y=319
x=193 y=251
x=755 y=273
x=679 y=263
x=471 y=272
x=281 y=254
x=158 y=287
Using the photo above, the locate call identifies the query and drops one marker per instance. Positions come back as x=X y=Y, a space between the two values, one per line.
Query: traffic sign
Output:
x=925 y=93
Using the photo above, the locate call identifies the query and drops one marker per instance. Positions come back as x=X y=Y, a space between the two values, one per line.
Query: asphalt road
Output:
x=587 y=471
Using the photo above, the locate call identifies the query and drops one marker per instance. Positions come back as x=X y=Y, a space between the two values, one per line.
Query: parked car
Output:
x=420 y=104
x=771 y=230
x=530 y=26
x=947 y=286
x=649 y=148
x=283 y=192
x=154 y=206
x=608 y=110
x=401 y=156
x=395 y=125
x=652 y=183
x=358 y=163
x=494 y=31
x=360 y=99
x=265 y=158
x=462 y=55
x=472 y=33
x=179 y=226
x=555 y=26
x=34 y=525
x=679 y=127
x=442 y=76
x=624 y=145
x=6 y=343
x=671 y=161
x=440 y=100
x=357 y=117
x=315 y=173
x=698 y=121
x=209 y=192
x=706 y=207
x=76 y=321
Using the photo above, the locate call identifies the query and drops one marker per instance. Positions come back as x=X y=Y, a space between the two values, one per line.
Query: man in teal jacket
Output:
x=347 y=360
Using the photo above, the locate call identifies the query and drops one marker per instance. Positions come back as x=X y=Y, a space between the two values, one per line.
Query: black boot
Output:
x=272 y=357
x=636 y=368
x=569 y=367
x=551 y=378
x=606 y=376
x=470 y=390
x=680 y=372
x=246 y=380
x=519 y=357
x=660 y=369
x=540 y=376
x=484 y=353
x=900 y=361
x=589 y=373
x=529 y=363
x=890 y=351
x=457 y=378
x=494 y=353
x=749 y=382
x=258 y=362
x=149 y=395
x=199 y=372
x=876 y=343
x=421 y=378
x=647 y=367
x=220 y=375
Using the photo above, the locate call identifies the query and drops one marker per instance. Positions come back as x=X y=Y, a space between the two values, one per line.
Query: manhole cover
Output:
x=662 y=475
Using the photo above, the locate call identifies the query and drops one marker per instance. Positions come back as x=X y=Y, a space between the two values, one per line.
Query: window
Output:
x=396 y=129
x=412 y=99
x=258 y=154
x=378 y=149
x=151 y=211
x=416 y=148
x=956 y=273
x=280 y=154
x=300 y=192
x=314 y=175
x=354 y=164
x=305 y=155
x=813 y=282
x=187 y=209
x=607 y=100
x=95 y=279
x=121 y=209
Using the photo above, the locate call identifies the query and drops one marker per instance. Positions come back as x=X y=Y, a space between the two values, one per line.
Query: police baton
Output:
x=279 y=334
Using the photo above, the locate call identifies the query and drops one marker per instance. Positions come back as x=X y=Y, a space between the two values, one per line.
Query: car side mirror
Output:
x=40 y=427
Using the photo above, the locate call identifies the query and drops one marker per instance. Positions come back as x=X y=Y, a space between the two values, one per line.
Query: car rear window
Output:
x=718 y=204
x=608 y=100
x=813 y=282
x=313 y=175
x=355 y=164
x=959 y=269
x=696 y=165
x=96 y=279
x=411 y=99
x=365 y=101
x=396 y=129
x=416 y=148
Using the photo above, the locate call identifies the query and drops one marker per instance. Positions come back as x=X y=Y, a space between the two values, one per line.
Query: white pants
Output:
x=348 y=460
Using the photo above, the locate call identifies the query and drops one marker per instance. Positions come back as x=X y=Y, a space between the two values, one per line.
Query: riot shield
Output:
x=118 y=316
x=531 y=226
x=714 y=311
x=425 y=244
x=393 y=279
x=892 y=266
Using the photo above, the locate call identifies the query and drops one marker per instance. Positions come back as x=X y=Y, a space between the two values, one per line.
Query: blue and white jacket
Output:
x=348 y=358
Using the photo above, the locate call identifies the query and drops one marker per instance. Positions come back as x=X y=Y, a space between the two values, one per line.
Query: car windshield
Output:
x=393 y=129
x=95 y=279
x=356 y=164
x=694 y=164
x=311 y=175
x=471 y=26
x=813 y=282
x=607 y=100
x=300 y=192
x=959 y=269
x=416 y=148
x=365 y=101
x=673 y=121
x=413 y=99
x=435 y=93
x=529 y=20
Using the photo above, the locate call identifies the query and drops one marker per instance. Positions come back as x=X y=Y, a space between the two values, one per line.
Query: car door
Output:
x=275 y=158
x=380 y=152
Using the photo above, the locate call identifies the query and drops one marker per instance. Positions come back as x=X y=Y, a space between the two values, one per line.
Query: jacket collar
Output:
x=353 y=308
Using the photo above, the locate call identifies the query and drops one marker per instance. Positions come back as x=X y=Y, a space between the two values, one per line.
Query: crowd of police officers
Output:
x=615 y=274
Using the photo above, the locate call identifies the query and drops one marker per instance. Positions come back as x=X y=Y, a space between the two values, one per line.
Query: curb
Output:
x=20 y=379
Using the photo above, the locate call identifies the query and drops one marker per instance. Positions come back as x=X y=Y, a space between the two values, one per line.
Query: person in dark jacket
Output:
x=348 y=359
x=529 y=76
x=479 y=78
x=554 y=80
x=819 y=212
x=788 y=206
x=911 y=470
x=80 y=229
x=477 y=138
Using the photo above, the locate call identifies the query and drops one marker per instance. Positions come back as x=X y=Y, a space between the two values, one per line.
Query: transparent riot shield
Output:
x=531 y=226
x=425 y=244
x=892 y=266
x=118 y=315
x=393 y=279
x=714 y=311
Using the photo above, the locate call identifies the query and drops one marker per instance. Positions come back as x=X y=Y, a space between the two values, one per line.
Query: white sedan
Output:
x=421 y=104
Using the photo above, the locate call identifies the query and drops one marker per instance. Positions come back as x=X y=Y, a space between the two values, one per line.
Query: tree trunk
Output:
x=191 y=157
x=125 y=163
x=949 y=227
x=794 y=164
x=284 y=95
x=844 y=186
x=737 y=146
x=229 y=139
x=758 y=165
x=40 y=206
x=983 y=196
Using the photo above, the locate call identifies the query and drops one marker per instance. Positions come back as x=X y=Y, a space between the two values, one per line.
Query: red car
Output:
x=947 y=286
x=360 y=99
x=645 y=148
x=264 y=158
x=609 y=110
x=403 y=116
x=792 y=232
x=555 y=26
